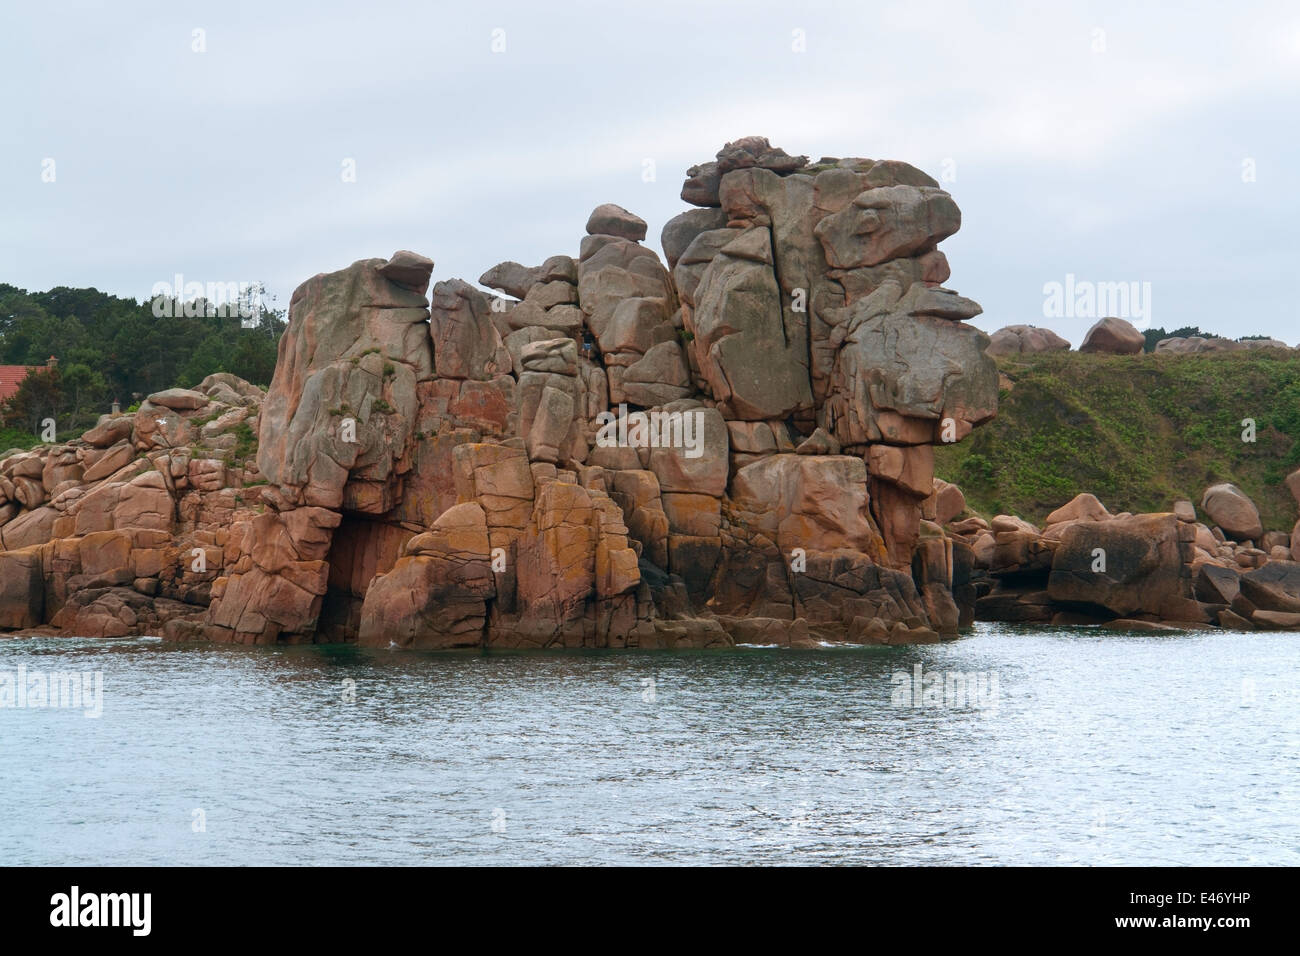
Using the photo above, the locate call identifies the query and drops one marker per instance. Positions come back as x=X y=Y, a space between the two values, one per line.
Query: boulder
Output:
x=115 y=457
x=1113 y=336
x=908 y=376
x=701 y=465
x=612 y=220
x=1216 y=585
x=680 y=231
x=1273 y=587
x=410 y=270
x=1026 y=340
x=1137 y=562
x=466 y=344
x=179 y=399
x=1232 y=510
x=1082 y=507
x=658 y=377
x=1293 y=485
x=755 y=151
x=702 y=185
x=511 y=278
x=888 y=222
x=110 y=431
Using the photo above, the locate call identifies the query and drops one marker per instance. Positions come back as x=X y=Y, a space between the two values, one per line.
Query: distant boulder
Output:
x=1026 y=340
x=1113 y=336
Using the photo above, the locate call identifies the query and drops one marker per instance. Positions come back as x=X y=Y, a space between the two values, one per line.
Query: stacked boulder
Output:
x=732 y=446
x=612 y=451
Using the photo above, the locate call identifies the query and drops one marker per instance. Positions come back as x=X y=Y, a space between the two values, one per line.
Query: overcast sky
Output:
x=1111 y=141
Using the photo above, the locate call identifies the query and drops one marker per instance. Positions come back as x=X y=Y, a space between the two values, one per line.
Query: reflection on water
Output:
x=1007 y=746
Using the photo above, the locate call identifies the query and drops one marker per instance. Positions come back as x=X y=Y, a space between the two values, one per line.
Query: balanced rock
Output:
x=1114 y=337
x=1232 y=510
x=612 y=220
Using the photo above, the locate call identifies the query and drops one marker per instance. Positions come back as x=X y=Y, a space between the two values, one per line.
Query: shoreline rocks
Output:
x=734 y=446
x=1151 y=572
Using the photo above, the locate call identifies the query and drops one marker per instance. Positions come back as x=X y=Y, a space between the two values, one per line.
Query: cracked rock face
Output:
x=614 y=451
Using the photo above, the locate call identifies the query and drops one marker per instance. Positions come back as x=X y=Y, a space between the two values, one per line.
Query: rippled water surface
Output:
x=1095 y=749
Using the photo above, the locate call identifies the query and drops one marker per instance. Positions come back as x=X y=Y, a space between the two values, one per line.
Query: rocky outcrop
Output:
x=1165 y=571
x=126 y=529
x=613 y=451
x=730 y=445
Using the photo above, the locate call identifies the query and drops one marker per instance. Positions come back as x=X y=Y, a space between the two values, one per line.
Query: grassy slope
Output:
x=1136 y=431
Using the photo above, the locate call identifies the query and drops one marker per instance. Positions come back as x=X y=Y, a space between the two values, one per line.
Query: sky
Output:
x=1156 y=144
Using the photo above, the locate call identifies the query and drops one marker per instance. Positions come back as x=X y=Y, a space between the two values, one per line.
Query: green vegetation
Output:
x=202 y=420
x=245 y=445
x=16 y=438
x=1138 y=432
x=113 y=348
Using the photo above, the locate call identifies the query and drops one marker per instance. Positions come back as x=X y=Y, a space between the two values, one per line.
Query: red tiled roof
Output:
x=11 y=377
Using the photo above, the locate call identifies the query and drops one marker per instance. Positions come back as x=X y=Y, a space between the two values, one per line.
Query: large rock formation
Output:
x=732 y=446
x=612 y=452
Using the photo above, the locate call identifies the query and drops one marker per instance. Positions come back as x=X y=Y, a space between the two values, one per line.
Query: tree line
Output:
x=110 y=349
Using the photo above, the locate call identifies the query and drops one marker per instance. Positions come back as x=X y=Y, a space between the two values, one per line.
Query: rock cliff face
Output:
x=734 y=444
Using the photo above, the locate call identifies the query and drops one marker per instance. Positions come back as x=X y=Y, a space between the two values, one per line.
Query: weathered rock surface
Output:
x=1113 y=336
x=1025 y=340
x=619 y=455
x=1195 y=344
x=1232 y=510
